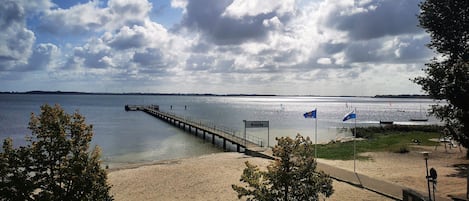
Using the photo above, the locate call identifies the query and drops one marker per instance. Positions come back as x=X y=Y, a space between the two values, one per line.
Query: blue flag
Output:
x=311 y=114
x=350 y=115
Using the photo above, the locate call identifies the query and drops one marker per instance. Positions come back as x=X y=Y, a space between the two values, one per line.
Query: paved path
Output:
x=382 y=187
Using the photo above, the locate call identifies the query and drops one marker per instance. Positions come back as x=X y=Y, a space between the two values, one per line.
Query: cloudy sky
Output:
x=320 y=47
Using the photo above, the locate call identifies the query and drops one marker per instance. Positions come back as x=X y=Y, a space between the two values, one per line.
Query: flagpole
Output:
x=316 y=137
x=245 y=140
x=354 y=144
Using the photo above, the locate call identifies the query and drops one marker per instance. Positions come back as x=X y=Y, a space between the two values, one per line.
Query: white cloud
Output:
x=217 y=27
x=129 y=38
x=150 y=34
x=128 y=13
x=91 y=17
x=45 y=57
x=16 y=40
x=74 y=20
x=324 y=60
x=91 y=55
x=225 y=47
x=131 y=53
x=182 y=4
x=35 y=7
x=242 y=8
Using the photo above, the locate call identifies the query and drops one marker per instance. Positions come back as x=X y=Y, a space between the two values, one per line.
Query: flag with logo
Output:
x=311 y=114
x=350 y=115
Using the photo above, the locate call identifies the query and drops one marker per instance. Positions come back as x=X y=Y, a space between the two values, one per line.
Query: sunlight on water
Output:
x=131 y=137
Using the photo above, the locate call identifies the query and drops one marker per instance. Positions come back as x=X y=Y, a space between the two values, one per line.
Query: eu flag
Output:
x=350 y=115
x=311 y=114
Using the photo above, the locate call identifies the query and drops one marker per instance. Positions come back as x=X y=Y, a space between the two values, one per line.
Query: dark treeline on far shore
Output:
x=403 y=96
x=132 y=93
x=195 y=94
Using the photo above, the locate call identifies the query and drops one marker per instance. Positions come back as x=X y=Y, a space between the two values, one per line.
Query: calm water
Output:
x=131 y=137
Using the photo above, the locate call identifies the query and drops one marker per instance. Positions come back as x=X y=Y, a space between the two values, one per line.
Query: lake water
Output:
x=134 y=137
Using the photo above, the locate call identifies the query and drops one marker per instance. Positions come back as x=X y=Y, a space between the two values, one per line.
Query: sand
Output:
x=210 y=177
x=409 y=169
x=207 y=177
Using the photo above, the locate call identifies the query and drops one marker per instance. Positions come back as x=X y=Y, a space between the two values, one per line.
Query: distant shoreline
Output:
x=131 y=93
x=403 y=96
x=201 y=94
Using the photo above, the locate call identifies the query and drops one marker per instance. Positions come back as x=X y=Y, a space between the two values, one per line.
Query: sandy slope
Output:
x=207 y=177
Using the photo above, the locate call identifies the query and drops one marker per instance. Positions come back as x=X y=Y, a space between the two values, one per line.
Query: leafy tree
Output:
x=447 y=77
x=56 y=164
x=292 y=176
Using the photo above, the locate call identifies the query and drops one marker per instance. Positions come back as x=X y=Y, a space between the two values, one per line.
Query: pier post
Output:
x=237 y=148
x=196 y=130
x=204 y=135
x=213 y=138
x=224 y=144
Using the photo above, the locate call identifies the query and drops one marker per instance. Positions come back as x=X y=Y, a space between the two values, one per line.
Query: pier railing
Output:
x=217 y=128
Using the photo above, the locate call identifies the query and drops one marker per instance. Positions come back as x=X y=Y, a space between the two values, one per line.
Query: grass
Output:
x=388 y=141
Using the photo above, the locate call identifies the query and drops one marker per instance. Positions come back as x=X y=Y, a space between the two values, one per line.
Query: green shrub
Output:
x=292 y=176
x=56 y=164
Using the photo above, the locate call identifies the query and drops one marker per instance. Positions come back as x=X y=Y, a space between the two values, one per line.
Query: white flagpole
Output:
x=316 y=136
x=354 y=144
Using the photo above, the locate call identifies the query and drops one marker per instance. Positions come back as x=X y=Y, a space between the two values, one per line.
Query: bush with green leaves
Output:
x=56 y=164
x=292 y=176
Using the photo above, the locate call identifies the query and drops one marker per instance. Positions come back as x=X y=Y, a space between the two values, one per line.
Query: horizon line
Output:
x=205 y=94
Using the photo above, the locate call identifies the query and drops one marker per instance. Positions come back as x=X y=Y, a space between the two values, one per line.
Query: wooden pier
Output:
x=251 y=144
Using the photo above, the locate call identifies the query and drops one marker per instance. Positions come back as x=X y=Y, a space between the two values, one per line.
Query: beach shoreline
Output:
x=209 y=177
x=113 y=167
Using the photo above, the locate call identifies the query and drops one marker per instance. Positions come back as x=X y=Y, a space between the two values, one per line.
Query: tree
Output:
x=292 y=176
x=447 y=76
x=56 y=164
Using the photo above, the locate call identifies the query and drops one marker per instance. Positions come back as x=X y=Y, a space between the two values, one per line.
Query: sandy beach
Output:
x=409 y=169
x=210 y=177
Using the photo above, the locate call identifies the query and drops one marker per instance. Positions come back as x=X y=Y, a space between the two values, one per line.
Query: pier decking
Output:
x=250 y=144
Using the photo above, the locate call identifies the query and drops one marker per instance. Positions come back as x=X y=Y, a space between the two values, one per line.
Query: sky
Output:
x=288 y=47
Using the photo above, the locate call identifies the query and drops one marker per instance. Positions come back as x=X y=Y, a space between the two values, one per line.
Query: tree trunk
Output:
x=285 y=196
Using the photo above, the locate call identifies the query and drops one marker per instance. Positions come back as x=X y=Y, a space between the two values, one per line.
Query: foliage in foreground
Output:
x=292 y=176
x=56 y=164
x=447 y=76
